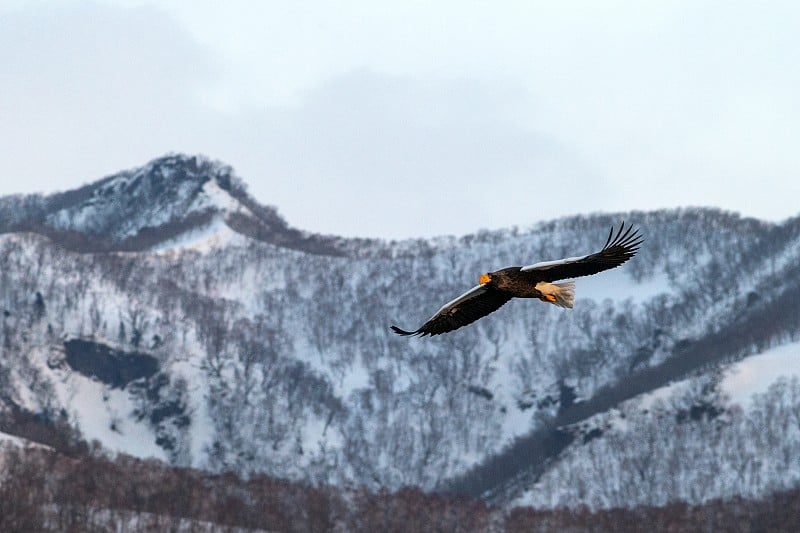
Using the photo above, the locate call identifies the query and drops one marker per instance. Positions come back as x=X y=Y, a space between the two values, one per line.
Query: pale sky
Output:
x=403 y=119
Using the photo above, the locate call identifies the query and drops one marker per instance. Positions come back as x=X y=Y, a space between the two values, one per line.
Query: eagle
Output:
x=494 y=289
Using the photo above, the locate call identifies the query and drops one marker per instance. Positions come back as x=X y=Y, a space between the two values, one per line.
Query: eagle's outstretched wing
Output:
x=529 y=282
x=477 y=302
x=616 y=251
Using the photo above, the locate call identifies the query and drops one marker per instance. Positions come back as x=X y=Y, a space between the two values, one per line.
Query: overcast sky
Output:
x=412 y=118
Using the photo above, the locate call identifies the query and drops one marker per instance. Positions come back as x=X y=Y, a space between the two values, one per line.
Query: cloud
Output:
x=87 y=88
x=373 y=154
x=359 y=120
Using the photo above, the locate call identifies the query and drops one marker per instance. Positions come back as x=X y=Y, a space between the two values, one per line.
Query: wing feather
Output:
x=477 y=302
x=617 y=250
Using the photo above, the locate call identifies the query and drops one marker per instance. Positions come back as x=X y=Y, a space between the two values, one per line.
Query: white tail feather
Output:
x=560 y=294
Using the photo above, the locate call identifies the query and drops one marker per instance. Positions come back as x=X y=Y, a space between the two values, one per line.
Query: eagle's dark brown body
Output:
x=514 y=281
x=494 y=289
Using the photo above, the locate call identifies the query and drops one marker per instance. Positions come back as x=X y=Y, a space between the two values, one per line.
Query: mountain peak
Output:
x=173 y=171
x=173 y=201
x=163 y=191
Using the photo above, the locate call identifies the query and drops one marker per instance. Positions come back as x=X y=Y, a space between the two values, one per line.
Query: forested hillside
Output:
x=42 y=490
x=166 y=314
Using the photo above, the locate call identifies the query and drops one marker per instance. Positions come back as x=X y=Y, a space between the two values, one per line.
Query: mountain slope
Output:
x=165 y=313
x=697 y=439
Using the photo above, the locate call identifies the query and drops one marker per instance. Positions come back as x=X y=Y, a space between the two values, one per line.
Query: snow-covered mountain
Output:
x=175 y=201
x=165 y=313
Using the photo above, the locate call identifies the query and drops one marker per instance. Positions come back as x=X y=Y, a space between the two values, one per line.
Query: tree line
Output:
x=43 y=490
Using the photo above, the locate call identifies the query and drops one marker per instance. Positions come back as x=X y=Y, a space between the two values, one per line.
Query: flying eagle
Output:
x=534 y=281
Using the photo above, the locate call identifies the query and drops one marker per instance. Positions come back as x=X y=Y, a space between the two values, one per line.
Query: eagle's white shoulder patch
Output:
x=544 y=265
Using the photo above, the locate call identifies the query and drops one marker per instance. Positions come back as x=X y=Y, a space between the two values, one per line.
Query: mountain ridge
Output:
x=270 y=352
x=142 y=208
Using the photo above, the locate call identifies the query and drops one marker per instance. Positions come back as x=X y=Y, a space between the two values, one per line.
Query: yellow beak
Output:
x=485 y=278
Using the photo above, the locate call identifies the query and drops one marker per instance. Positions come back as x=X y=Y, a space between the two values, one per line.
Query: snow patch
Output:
x=617 y=285
x=202 y=435
x=105 y=414
x=755 y=374
x=216 y=234
x=215 y=196
x=357 y=377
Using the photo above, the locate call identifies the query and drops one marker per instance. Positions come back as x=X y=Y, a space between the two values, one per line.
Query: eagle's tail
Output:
x=403 y=332
x=560 y=294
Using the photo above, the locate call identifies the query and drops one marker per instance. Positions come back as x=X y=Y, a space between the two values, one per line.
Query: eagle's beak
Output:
x=485 y=278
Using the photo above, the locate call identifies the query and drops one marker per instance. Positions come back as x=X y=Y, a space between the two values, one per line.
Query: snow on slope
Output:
x=741 y=380
x=214 y=235
x=715 y=430
x=755 y=374
x=618 y=285
x=103 y=413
